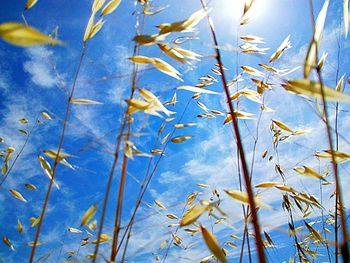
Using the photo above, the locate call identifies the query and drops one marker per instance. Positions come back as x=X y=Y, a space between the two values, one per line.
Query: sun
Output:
x=235 y=8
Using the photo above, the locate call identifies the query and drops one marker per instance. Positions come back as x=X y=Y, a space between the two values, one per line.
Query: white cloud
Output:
x=5 y=75
x=123 y=68
x=170 y=177
x=39 y=68
x=4 y=81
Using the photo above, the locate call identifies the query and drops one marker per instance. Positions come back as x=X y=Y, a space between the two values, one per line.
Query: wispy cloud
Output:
x=123 y=68
x=39 y=68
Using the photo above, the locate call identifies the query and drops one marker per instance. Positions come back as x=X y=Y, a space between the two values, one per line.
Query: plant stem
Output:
x=255 y=221
x=338 y=192
x=119 y=210
x=145 y=185
x=108 y=187
x=344 y=246
x=20 y=151
x=57 y=159
x=336 y=223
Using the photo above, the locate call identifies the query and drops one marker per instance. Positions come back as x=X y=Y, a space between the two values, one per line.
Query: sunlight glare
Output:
x=235 y=8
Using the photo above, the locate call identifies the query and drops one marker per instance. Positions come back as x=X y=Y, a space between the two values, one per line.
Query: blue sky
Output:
x=36 y=79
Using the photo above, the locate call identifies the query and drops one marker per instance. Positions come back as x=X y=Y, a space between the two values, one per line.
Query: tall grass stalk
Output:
x=344 y=245
x=57 y=159
x=254 y=214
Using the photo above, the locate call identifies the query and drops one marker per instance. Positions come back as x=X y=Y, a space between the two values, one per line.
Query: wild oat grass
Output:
x=201 y=222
